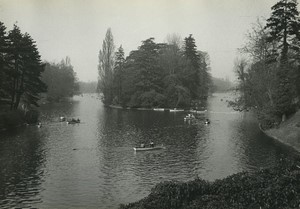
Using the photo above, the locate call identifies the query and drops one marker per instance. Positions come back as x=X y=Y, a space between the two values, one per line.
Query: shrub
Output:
x=12 y=119
x=276 y=187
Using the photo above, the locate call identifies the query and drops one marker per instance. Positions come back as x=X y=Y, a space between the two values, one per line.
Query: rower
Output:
x=151 y=144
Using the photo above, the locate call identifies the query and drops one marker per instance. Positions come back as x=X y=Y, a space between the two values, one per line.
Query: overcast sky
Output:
x=76 y=28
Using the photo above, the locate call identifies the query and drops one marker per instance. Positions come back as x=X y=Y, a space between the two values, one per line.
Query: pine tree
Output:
x=16 y=51
x=192 y=72
x=3 y=64
x=31 y=84
x=283 y=27
x=25 y=68
x=118 y=74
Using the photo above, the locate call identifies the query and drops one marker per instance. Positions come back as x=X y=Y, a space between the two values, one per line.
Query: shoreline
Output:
x=288 y=133
x=157 y=109
x=273 y=187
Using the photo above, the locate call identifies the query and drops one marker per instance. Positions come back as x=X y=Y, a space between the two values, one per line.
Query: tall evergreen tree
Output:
x=25 y=68
x=16 y=51
x=192 y=72
x=283 y=27
x=105 y=67
x=118 y=74
x=190 y=51
x=3 y=64
x=31 y=84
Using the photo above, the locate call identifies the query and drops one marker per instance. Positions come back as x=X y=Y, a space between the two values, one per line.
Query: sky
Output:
x=76 y=28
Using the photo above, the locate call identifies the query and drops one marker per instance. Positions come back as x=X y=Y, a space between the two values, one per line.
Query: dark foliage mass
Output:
x=269 y=81
x=60 y=79
x=154 y=75
x=24 y=78
x=20 y=69
x=270 y=188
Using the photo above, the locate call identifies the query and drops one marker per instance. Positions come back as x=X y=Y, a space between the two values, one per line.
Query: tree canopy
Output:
x=269 y=80
x=156 y=75
x=21 y=68
x=60 y=79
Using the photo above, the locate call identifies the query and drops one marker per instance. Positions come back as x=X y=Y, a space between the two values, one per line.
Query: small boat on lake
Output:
x=207 y=122
x=62 y=119
x=189 y=117
x=39 y=125
x=198 y=111
x=158 y=109
x=176 y=110
x=73 y=121
x=148 y=148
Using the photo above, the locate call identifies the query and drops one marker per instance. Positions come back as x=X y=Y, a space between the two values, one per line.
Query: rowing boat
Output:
x=176 y=110
x=158 y=109
x=148 y=148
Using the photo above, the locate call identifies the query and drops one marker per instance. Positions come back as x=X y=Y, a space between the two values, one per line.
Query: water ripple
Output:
x=93 y=165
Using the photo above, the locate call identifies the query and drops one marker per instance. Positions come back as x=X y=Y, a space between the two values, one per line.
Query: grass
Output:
x=288 y=132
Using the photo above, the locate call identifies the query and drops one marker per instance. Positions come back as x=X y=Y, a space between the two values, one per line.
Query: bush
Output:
x=12 y=119
x=31 y=116
x=276 y=187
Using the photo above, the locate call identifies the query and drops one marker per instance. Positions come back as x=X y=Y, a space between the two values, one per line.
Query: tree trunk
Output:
x=18 y=97
x=13 y=93
x=19 y=92
x=270 y=97
x=283 y=117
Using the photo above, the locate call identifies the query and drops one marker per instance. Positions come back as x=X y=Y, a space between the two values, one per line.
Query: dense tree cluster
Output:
x=221 y=85
x=60 y=79
x=154 y=75
x=20 y=69
x=270 y=80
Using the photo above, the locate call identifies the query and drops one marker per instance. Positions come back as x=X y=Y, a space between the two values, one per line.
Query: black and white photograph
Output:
x=150 y=104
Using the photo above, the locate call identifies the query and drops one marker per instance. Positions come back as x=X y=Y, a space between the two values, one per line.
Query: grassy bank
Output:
x=288 y=132
x=276 y=187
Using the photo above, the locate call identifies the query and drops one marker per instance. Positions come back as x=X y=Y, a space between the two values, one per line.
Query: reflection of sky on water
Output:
x=92 y=164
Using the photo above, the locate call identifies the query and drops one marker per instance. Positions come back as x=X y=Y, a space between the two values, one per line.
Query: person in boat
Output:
x=151 y=144
x=142 y=145
x=75 y=120
x=62 y=119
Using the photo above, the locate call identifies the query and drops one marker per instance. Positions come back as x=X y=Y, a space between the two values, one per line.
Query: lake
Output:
x=93 y=164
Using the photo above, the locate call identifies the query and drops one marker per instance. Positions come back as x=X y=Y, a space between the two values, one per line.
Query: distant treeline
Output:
x=87 y=87
x=222 y=85
x=60 y=79
x=269 y=81
x=154 y=75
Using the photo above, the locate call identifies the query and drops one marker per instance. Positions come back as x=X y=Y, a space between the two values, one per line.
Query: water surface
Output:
x=93 y=165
